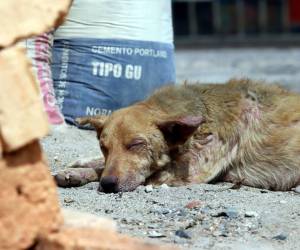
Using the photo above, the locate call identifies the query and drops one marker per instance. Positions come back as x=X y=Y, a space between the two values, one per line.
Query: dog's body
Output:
x=243 y=131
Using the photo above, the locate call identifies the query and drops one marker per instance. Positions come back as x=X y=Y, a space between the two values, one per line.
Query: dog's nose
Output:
x=109 y=184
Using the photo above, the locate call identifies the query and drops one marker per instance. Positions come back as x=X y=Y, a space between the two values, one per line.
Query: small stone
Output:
x=183 y=234
x=181 y=212
x=297 y=189
x=264 y=191
x=68 y=200
x=165 y=211
x=155 y=234
x=251 y=214
x=193 y=204
x=230 y=213
x=124 y=221
x=164 y=186
x=108 y=211
x=282 y=202
x=282 y=236
x=149 y=189
x=152 y=226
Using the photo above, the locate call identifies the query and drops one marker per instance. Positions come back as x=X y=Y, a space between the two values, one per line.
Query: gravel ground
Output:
x=196 y=216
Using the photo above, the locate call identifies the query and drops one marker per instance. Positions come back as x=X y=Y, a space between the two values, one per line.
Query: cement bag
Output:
x=39 y=51
x=110 y=54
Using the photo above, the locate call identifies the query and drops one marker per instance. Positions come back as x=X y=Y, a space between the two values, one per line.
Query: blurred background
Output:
x=219 y=39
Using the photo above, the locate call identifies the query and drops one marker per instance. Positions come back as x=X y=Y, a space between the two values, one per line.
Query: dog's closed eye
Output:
x=136 y=144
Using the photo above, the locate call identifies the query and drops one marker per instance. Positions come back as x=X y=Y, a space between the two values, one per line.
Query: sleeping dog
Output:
x=242 y=132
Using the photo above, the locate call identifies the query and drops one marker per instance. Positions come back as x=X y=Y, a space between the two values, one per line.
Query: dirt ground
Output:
x=197 y=216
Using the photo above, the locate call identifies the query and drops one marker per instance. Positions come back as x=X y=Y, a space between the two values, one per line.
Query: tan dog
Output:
x=243 y=131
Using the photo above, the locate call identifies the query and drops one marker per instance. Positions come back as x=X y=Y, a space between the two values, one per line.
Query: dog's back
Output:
x=258 y=124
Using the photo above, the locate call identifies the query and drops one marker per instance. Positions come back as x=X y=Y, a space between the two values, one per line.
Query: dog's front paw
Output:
x=75 y=177
x=92 y=162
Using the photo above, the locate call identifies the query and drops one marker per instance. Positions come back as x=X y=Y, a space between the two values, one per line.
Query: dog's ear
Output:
x=95 y=121
x=177 y=130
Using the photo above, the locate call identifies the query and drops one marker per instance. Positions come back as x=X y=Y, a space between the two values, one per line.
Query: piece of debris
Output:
x=68 y=200
x=230 y=213
x=282 y=202
x=155 y=234
x=152 y=226
x=264 y=191
x=164 y=186
x=251 y=214
x=297 y=189
x=282 y=236
x=149 y=189
x=181 y=212
x=108 y=211
x=193 y=204
x=160 y=211
x=183 y=234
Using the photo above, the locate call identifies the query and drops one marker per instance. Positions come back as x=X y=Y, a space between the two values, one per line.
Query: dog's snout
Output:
x=109 y=184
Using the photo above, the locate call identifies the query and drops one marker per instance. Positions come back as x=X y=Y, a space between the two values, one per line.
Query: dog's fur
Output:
x=242 y=131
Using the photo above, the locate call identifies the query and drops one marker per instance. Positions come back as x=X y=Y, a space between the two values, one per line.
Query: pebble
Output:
x=183 y=234
x=282 y=202
x=149 y=189
x=68 y=200
x=155 y=234
x=108 y=211
x=297 y=189
x=282 y=236
x=251 y=214
x=160 y=211
x=193 y=204
x=124 y=221
x=165 y=211
x=164 y=186
x=264 y=191
x=230 y=213
x=181 y=212
x=152 y=226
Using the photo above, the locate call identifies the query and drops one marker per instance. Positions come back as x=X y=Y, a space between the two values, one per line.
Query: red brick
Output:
x=28 y=199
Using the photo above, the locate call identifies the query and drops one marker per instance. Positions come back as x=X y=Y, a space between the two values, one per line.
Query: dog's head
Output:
x=136 y=143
